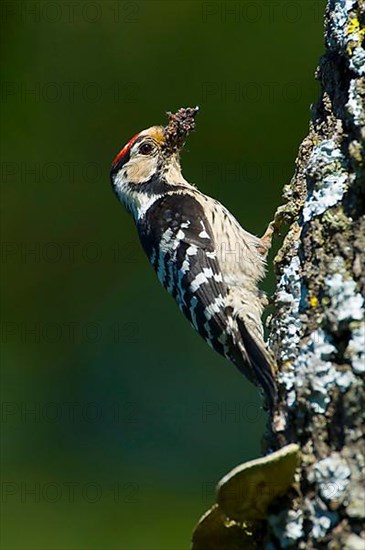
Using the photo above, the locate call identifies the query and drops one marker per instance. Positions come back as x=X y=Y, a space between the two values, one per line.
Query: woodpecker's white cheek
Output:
x=140 y=170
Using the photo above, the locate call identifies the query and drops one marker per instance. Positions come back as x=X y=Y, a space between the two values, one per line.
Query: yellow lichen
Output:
x=355 y=32
x=313 y=301
x=353 y=26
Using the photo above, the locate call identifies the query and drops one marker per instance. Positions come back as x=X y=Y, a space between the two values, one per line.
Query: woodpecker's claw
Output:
x=179 y=127
x=266 y=240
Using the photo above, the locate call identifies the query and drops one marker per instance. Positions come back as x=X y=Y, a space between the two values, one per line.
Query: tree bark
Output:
x=317 y=331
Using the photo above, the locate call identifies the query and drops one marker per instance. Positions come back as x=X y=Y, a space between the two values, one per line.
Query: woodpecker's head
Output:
x=148 y=165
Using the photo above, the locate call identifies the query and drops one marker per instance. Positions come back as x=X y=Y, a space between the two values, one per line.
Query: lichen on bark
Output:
x=317 y=330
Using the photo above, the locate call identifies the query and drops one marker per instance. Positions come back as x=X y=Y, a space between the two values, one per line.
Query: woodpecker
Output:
x=202 y=256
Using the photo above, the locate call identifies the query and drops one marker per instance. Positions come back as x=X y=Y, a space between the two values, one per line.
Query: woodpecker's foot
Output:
x=265 y=301
x=266 y=239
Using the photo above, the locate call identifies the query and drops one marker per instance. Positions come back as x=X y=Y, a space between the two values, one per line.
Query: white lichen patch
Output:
x=332 y=476
x=313 y=368
x=338 y=21
x=357 y=60
x=325 y=159
x=289 y=287
x=321 y=518
x=349 y=4
x=288 y=379
x=288 y=328
x=355 y=351
x=355 y=104
x=326 y=172
x=346 y=302
x=329 y=192
x=287 y=527
x=323 y=521
x=288 y=297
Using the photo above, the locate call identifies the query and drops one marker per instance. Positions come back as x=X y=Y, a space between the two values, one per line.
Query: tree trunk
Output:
x=317 y=332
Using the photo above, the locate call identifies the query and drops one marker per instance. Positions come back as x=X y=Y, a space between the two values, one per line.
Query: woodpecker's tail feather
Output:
x=260 y=365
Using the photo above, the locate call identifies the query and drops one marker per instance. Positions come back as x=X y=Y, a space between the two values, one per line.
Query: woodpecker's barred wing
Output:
x=180 y=245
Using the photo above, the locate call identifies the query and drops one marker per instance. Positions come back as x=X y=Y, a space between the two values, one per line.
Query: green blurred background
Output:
x=117 y=420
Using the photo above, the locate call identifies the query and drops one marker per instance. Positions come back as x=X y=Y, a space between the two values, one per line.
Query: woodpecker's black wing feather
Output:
x=260 y=364
x=179 y=242
x=180 y=245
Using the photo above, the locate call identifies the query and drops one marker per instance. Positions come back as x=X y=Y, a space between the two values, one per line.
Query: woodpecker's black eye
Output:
x=145 y=149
